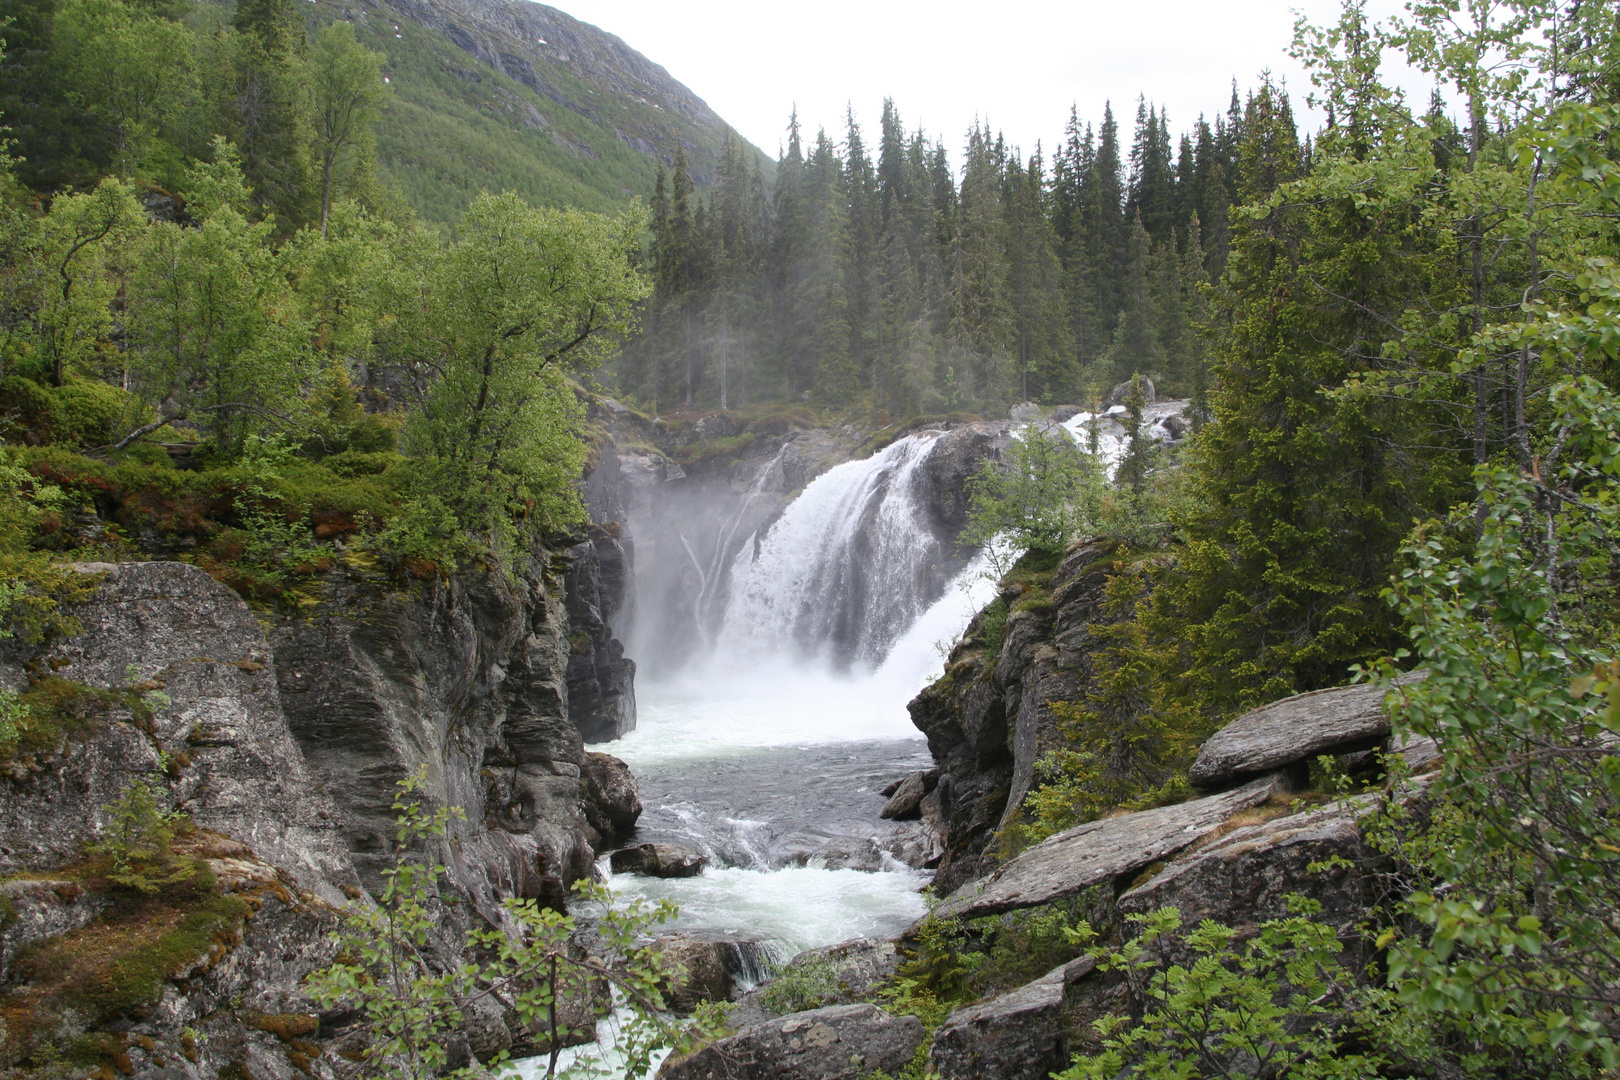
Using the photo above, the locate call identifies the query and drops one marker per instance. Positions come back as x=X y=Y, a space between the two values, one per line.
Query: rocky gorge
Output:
x=282 y=736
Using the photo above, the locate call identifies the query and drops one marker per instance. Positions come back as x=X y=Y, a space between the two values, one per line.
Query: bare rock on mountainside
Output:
x=1067 y=864
x=1294 y=730
x=1013 y=1036
x=841 y=1042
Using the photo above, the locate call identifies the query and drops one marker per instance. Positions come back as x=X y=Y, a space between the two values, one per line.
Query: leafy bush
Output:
x=807 y=983
x=1264 y=1007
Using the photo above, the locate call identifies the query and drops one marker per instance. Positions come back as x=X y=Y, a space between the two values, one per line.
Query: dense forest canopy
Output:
x=898 y=275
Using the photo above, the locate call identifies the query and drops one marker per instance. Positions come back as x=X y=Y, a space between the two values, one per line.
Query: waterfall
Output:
x=847 y=568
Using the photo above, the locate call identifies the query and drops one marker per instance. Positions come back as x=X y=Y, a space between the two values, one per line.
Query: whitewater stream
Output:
x=766 y=746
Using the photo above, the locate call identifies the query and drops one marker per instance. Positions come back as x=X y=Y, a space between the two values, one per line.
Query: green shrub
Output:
x=808 y=983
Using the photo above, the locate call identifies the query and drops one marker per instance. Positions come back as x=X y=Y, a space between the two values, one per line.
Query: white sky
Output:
x=1017 y=64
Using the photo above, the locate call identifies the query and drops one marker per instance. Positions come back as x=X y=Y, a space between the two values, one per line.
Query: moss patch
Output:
x=114 y=968
x=59 y=709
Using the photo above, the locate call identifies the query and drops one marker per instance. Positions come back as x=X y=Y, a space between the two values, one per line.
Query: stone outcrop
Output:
x=659 y=860
x=467 y=678
x=1018 y=1035
x=705 y=967
x=1339 y=720
x=905 y=802
x=989 y=719
x=601 y=679
x=1245 y=876
x=282 y=749
x=232 y=764
x=1071 y=862
x=840 y=1042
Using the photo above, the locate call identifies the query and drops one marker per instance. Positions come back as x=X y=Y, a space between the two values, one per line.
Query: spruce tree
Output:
x=274 y=109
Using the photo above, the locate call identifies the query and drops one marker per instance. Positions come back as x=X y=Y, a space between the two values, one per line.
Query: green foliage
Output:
x=139 y=841
x=1234 y=1008
x=496 y=322
x=1516 y=635
x=1045 y=492
x=805 y=984
x=951 y=961
x=411 y=1001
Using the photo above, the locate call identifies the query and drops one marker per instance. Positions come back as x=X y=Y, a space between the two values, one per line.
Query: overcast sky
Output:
x=1017 y=64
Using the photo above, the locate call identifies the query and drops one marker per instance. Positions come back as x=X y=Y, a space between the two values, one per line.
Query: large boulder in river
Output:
x=1013 y=1036
x=906 y=801
x=1294 y=730
x=706 y=967
x=1071 y=862
x=842 y=1042
x=615 y=803
x=658 y=860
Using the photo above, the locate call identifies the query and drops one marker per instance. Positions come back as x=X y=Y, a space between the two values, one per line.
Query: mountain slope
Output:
x=494 y=95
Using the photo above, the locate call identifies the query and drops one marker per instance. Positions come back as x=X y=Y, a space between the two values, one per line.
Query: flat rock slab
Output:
x=843 y=1042
x=1294 y=729
x=1067 y=864
x=1015 y=1036
x=1246 y=877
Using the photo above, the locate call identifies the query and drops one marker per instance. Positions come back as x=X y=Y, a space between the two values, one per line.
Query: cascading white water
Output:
x=847 y=568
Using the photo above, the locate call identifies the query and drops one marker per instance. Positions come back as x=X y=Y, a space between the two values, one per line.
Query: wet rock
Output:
x=1071 y=862
x=601 y=679
x=703 y=968
x=845 y=972
x=904 y=801
x=1025 y=411
x=612 y=803
x=914 y=846
x=841 y=1042
x=1296 y=729
x=1062 y=414
x=1014 y=1036
x=658 y=860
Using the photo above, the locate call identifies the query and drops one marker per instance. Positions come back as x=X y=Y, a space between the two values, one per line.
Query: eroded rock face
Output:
x=1013 y=1036
x=1246 y=876
x=234 y=768
x=1339 y=720
x=990 y=718
x=1071 y=862
x=841 y=1042
x=613 y=803
x=601 y=679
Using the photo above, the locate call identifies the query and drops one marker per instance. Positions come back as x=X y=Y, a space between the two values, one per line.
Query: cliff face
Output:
x=468 y=678
x=989 y=719
x=282 y=748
